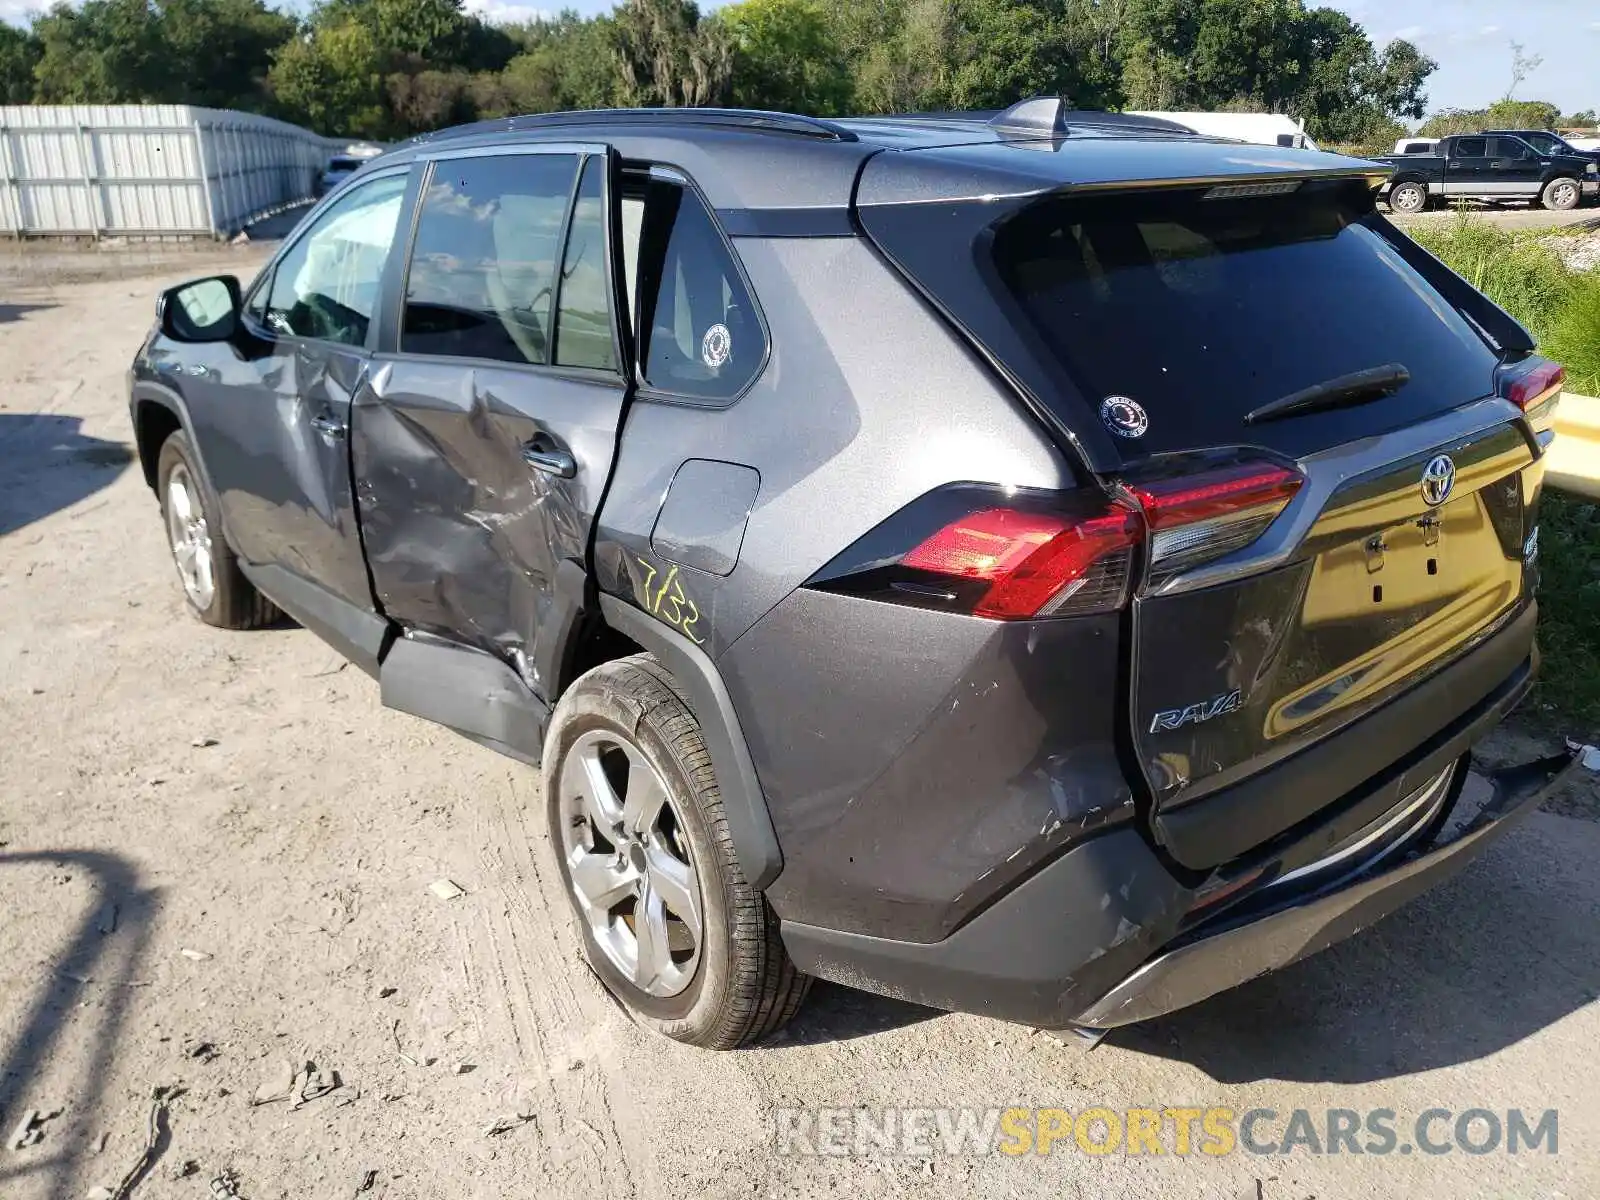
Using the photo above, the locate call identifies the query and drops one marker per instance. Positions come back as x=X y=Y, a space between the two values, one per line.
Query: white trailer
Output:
x=1263 y=129
x=148 y=170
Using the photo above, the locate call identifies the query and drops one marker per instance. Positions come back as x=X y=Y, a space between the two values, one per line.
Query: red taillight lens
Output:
x=1534 y=385
x=1037 y=564
x=1188 y=499
x=1196 y=518
x=1531 y=388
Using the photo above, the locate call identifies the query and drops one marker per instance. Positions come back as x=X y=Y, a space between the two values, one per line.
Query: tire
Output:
x=214 y=588
x=1562 y=194
x=731 y=983
x=1408 y=198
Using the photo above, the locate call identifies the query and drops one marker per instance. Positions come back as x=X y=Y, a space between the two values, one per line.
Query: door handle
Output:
x=552 y=462
x=329 y=426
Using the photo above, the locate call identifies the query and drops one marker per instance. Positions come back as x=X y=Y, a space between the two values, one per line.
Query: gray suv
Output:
x=1046 y=563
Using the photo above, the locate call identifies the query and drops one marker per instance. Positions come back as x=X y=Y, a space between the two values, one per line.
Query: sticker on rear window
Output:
x=1124 y=417
x=717 y=346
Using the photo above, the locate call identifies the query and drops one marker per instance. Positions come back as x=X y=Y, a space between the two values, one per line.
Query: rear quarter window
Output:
x=703 y=336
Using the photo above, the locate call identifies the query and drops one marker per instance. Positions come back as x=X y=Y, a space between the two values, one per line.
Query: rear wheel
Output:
x=1408 y=197
x=213 y=585
x=668 y=920
x=1561 y=194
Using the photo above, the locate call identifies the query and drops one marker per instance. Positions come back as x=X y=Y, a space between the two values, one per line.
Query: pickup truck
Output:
x=1481 y=166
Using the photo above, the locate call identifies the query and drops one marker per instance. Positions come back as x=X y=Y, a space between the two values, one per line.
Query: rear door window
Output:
x=701 y=336
x=483 y=266
x=1202 y=310
x=583 y=318
x=1472 y=147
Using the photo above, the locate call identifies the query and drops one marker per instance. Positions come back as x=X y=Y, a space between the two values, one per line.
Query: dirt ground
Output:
x=215 y=859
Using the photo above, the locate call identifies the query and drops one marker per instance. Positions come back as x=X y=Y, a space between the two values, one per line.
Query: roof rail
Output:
x=1054 y=116
x=754 y=120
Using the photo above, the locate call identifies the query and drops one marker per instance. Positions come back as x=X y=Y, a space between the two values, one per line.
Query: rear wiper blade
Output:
x=1358 y=387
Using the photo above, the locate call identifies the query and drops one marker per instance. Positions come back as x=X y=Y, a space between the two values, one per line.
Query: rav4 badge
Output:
x=1194 y=714
x=1124 y=417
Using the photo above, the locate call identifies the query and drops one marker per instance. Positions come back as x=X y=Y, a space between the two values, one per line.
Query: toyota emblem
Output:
x=1438 y=480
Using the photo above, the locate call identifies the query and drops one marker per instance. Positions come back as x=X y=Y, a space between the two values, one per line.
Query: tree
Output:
x=668 y=55
x=1581 y=120
x=787 y=58
x=1454 y=120
x=218 y=52
x=1001 y=51
x=1522 y=114
x=431 y=99
x=1523 y=64
x=19 y=54
x=105 y=52
x=332 y=79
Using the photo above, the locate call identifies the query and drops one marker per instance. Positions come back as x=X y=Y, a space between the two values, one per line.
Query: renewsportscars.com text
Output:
x=869 y=1132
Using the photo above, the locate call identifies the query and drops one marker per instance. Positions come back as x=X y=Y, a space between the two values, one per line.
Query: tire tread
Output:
x=767 y=989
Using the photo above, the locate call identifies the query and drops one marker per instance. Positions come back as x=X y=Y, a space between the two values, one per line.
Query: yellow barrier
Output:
x=1574 y=459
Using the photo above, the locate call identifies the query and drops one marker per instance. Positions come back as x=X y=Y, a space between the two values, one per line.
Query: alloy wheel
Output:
x=190 y=537
x=628 y=858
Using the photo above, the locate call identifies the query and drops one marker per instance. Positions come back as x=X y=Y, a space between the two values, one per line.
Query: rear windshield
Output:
x=1202 y=310
x=344 y=164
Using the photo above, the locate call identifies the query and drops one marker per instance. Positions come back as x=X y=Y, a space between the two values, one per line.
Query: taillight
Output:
x=1015 y=556
x=1196 y=518
x=1008 y=556
x=1534 y=385
x=1036 y=564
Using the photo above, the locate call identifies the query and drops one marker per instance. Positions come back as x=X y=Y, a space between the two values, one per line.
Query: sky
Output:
x=1469 y=39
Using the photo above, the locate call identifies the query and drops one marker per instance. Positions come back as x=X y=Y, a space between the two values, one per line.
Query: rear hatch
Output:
x=1338 y=504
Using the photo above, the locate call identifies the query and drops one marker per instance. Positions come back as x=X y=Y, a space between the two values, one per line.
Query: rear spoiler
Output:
x=1503 y=330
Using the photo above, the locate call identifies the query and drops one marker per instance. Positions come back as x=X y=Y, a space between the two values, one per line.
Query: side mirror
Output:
x=202 y=310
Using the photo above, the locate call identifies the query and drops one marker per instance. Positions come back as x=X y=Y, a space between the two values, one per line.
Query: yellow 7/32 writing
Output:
x=668 y=601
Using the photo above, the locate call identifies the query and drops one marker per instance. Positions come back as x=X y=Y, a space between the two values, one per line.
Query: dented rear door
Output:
x=485 y=441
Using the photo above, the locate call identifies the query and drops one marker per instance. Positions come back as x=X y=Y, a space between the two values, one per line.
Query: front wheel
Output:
x=1408 y=197
x=215 y=588
x=668 y=921
x=1562 y=194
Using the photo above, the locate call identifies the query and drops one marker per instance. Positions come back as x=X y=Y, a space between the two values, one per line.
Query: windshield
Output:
x=1202 y=310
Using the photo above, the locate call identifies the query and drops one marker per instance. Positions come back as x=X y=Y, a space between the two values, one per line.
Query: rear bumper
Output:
x=1241 y=950
x=1106 y=936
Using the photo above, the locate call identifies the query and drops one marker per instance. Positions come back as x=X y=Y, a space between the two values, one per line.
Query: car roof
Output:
x=748 y=159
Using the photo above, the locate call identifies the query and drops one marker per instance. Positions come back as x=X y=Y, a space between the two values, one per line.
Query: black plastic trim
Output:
x=467 y=690
x=359 y=635
x=786 y=222
x=744 y=805
x=559 y=629
x=1202 y=968
x=1039 y=955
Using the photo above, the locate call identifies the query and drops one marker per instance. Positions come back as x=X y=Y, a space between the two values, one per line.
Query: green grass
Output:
x=1573 y=336
x=1562 y=309
x=1513 y=268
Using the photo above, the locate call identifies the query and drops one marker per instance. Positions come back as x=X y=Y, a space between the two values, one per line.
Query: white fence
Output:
x=119 y=170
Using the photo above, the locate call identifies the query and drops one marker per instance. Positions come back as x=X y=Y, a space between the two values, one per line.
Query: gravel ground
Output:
x=215 y=856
